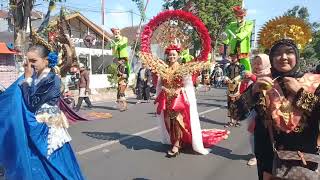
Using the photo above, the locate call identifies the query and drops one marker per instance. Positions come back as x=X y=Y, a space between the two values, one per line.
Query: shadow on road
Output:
x=135 y=142
x=215 y=99
x=131 y=102
x=211 y=105
x=203 y=119
x=227 y=153
x=105 y=107
x=154 y=114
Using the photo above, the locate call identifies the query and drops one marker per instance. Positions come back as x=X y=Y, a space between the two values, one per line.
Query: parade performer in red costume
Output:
x=176 y=101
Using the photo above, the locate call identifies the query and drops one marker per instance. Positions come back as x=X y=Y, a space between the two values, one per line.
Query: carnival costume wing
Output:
x=155 y=64
x=159 y=67
x=191 y=68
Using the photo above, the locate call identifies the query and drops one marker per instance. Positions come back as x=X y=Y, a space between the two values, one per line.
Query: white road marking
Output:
x=210 y=110
x=109 y=143
x=105 y=150
x=100 y=146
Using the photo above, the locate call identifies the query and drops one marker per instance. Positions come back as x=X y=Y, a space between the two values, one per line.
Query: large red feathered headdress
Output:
x=183 y=16
x=172 y=47
x=113 y=30
x=239 y=11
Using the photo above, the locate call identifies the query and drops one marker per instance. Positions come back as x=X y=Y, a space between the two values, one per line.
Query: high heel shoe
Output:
x=171 y=154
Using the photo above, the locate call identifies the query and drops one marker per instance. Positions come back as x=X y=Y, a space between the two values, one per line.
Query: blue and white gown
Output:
x=33 y=136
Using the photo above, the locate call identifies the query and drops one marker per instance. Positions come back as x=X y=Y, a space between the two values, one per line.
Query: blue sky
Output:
x=261 y=10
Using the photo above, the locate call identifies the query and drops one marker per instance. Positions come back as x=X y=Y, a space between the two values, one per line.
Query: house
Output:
x=132 y=33
x=95 y=58
x=6 y=20
x=8 y=71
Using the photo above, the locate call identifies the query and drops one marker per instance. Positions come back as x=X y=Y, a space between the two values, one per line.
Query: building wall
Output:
x=3 y=25
x=8 y=72
x=80 y=31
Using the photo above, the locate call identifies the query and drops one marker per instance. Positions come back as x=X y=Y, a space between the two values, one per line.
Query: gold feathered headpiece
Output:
x=286 y=27
x=37 y=39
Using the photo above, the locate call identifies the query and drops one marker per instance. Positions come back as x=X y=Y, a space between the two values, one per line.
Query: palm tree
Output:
x=21 y=10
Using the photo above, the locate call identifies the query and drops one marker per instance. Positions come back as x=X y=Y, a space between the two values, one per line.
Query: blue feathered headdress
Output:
x=53 y=59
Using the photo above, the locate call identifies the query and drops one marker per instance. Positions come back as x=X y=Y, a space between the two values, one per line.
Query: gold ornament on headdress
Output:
x=168 y=33
x=37 y=39
x=162 y=69
x=174 y=28
x=285 y=27
x=173 y=32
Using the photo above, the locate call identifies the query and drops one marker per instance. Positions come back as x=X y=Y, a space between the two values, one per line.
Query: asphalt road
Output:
x=128 y=147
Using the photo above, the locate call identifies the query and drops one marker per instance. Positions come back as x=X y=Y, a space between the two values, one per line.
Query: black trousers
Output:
x=86 y=99
x=143 y=91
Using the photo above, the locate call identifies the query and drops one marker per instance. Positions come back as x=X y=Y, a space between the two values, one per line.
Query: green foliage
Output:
x=215 y=14
x=297 y=11
x=112 y=71
x=174 y=4
x=140 y=5
x=311 y=54
x=306 y=65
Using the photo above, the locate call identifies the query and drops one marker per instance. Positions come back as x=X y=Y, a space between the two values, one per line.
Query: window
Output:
x=99 y=64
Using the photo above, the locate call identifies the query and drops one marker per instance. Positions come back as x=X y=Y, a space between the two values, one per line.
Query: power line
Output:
x=74 y=8
x=108 y=11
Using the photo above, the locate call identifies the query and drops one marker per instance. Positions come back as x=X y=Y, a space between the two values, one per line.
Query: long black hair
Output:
x=42 y=50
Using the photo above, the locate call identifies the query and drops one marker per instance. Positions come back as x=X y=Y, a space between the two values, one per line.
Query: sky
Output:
x=117 y=14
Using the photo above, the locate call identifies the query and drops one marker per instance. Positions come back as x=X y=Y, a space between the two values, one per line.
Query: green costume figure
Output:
x=120 y=48
x=238 y=37
x=186 y=56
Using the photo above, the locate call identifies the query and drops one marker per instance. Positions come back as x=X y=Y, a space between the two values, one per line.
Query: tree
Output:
x=112 y=74
x=21 y=10
x=174 y=4
x=140 y=6
x=215 y=14
x=297 y=11
x=311 y=54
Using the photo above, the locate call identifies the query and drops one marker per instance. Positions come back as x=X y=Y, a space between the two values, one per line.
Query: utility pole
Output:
x=102 y=23
x=131 y=13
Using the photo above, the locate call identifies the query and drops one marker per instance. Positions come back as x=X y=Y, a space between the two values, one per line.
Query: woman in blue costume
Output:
x=33 y=136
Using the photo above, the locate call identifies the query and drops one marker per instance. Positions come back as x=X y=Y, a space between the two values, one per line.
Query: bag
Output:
x=293 y=165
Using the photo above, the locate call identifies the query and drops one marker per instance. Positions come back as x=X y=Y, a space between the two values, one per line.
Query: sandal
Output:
x=229 y=124
x=252 y=162
x=237 y=124
x=171 y=153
